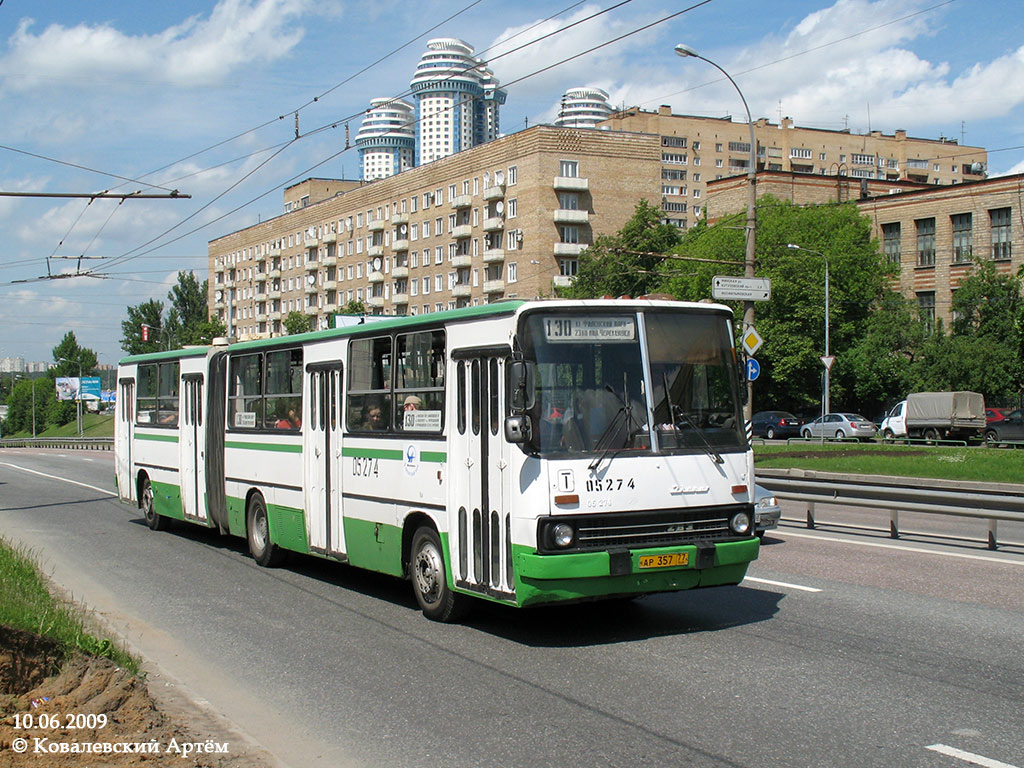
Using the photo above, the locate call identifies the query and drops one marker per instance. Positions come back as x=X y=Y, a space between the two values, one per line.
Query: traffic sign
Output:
x=752 y=341
x=828 y=360
x=741 y=288
x=753 y=369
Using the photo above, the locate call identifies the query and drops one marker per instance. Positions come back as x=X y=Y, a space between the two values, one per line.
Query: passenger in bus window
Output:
x=294 y=418
x=412 y=403
x=374 y=418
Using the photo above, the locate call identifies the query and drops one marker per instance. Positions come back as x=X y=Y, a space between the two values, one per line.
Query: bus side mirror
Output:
x=518 y=429
x=522 y=385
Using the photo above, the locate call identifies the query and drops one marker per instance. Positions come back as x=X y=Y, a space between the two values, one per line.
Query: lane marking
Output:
x=782 y=584
x=55 y=477
x=879 y=545
x=969 y=757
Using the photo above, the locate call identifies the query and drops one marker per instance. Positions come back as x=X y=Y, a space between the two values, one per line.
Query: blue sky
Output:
x=134 y=90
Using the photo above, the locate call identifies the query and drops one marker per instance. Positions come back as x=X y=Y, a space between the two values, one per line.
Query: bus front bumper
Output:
x=583 y=575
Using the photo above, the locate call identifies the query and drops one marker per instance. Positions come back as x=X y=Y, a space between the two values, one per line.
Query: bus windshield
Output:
x=594 y=371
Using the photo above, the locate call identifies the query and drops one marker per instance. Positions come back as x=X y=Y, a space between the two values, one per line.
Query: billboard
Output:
x=74 y=388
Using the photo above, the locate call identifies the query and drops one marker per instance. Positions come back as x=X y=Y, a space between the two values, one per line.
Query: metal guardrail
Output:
x=63 y=443
x=986 y=501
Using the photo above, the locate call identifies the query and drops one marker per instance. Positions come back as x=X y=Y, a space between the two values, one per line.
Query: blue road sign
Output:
x=753 y=369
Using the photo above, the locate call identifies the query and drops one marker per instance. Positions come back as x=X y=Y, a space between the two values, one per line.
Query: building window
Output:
x=673 y=141
x=569 y=201
x=861 y=159
x=513 y=273
x=925 y=242
x=926 y=308
x=891 y=234
x=961 y=238
x=513 y=174
x=512 y=208
x=800 y=152
x=568 y=267
x=739 y=146
x=569 y=234
x=1001 y=244
x=569 y=168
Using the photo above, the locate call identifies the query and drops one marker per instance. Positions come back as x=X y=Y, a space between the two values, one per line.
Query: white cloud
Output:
x=196 y=52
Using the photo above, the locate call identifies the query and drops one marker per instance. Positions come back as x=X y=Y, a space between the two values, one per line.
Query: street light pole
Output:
x=751 y=226
x=825 y=403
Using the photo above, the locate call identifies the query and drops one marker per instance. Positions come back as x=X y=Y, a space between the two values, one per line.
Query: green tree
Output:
x=792 y=323
x=625 y=263
x=20 y=405
x=298 y=322
x=147 y=313
x=354 y=307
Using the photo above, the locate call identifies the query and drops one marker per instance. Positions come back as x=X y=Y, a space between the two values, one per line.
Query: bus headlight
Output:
x=562 y=535
x=740 y=523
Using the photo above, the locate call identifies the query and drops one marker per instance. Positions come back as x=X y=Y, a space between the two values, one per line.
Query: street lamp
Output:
x=751 y=226
x=825 y=405
x=78 y=400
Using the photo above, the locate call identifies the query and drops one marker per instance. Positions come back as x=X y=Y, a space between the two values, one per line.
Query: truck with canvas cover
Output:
x=937 y=416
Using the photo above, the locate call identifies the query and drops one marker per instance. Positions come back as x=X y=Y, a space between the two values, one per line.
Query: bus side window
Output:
x=419 y=395
x=244 y=405
x=146 y=389
x=283 y=389
x=167 y=393
x=369 y=385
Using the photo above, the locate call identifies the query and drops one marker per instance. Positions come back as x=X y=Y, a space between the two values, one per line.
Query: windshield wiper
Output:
x=624 y=410
x=676 y=410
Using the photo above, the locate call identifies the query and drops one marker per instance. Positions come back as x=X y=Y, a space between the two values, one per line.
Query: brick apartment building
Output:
x=934 y=233
x=504 y=219
x=697 y=150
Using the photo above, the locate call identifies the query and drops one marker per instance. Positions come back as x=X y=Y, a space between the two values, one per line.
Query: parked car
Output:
x=840 y=425
x=766 y=510
x=995 y=414
x=1008 y=429
x=773 y=424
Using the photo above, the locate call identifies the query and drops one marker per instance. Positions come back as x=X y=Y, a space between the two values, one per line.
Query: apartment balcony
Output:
x=462 y=201
x=311 y=242
x=400 y=272
x=375 y=301
x=328 y=261
x=275 y=315
x=375 y=277
x=462 y=291
x=261 y=296
x=494 y=256
x=494 y=286
x=494 y=193
x=494 y=224
x=562 y=281
x=274 y=253
x=566 y=216
x=400 y=298
x=569 y=249
x=462 y=231
x=462 y=260
x=219 y=304
x=375 y=250
x=329 y=285
x=260 y=258
x=570 y=184
x=329 y=308
x=400 y=244
x=329 y=238
x=273 y=295
x=376 y=226
x=312 y=265
x=400 y=218
x=273 y=273
x=311 y=288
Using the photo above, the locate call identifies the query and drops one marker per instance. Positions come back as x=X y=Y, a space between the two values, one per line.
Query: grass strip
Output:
x=26 y=603
x=971 y=464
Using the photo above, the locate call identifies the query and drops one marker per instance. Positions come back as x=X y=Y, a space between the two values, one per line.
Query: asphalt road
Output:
x=840 y=649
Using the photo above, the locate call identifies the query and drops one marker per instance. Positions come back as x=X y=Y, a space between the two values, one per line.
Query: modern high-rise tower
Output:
x=386 y=139
x=583 y=108
x=457 y=100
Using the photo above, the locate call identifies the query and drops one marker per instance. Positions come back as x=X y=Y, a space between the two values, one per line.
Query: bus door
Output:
x=480 y=475
x=125 y=433
x=192 y=447
x=323 y=459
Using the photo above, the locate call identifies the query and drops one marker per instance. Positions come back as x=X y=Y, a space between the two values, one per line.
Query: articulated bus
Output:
x=519 y=452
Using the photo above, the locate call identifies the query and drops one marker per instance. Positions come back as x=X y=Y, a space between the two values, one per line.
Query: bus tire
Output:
x=429 y=580
x=147 y=502
x=257 y=528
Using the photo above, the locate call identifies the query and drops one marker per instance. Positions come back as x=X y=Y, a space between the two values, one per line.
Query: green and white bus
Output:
x=519 y=452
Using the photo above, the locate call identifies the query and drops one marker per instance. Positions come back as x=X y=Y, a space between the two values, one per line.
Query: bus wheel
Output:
x=148 y=503
x=263 y=550
x=435 y=597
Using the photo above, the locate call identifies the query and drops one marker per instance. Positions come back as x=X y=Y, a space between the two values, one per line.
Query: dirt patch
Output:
x=90 y=712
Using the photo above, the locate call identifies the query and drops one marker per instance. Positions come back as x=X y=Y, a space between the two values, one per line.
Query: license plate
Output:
x=665 y=561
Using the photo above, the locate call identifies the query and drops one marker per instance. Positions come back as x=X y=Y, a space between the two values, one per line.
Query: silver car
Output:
x=766 y=510
x=839 y=426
